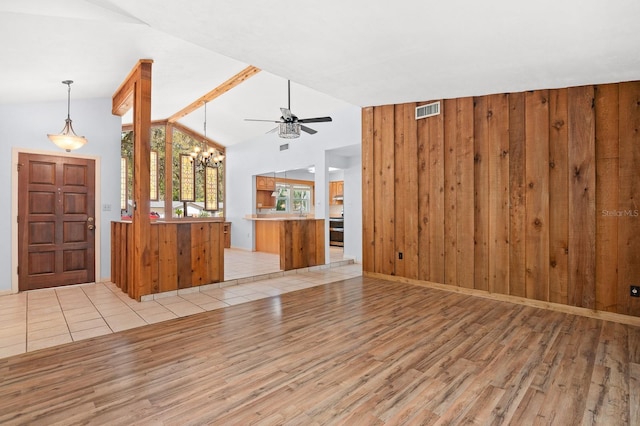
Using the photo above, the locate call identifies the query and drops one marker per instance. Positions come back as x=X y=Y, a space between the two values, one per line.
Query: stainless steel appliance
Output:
x=336 y=231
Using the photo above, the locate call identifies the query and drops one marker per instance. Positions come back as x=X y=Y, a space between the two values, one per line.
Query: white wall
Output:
x=24 y=128
x=262 y=155
x=353 y=209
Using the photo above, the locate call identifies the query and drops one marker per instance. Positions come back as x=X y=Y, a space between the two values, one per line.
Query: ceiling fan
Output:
x=289 y=125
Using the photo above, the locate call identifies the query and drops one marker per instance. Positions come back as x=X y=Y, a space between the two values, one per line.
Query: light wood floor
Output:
x=360 y=351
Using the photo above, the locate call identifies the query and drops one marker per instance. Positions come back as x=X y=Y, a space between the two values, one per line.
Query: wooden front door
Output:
x=56 y=221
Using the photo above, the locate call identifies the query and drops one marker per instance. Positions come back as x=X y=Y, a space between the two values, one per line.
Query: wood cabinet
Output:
x=265 y=183
x=264 y=200
x=336 y=188
x=226 y=229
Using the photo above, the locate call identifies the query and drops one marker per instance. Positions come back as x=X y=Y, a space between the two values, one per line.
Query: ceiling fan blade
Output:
x=308 y=130
x=286 y=113
x=315 y=120
x=266 y=121
x=275 y=129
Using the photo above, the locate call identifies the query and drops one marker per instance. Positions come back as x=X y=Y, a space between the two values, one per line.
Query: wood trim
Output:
x=558 y=307
x=243 y=75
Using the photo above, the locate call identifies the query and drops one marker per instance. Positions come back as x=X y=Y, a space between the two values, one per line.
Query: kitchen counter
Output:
x=298 y=240
x=276 y=217
x=183 y=254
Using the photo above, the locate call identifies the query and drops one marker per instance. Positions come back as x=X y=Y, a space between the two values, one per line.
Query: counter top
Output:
x=277 y=218
x=180 y=220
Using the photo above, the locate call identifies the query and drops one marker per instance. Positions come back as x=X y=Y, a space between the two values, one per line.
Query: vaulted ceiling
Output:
x=337 y=53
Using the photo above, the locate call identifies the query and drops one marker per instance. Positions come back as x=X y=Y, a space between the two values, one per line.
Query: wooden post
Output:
x=136 y=91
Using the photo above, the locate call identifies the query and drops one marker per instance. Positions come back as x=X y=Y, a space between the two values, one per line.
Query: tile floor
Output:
x=43 y=318
x=242 y=263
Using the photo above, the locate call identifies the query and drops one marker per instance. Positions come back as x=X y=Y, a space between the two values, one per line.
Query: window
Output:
x=293 y=198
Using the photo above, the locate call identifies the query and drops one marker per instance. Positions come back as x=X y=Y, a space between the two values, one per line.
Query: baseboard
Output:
x=558 y=307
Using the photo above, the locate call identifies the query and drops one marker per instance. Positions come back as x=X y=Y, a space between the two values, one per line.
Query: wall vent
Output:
x=428 y=110
x=284 y=147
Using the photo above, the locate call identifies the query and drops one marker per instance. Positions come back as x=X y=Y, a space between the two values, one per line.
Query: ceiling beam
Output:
x=223 y=88
x=122 y=100
x=197 y=136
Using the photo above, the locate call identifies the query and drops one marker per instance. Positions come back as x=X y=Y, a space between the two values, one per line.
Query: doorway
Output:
x=56 y=221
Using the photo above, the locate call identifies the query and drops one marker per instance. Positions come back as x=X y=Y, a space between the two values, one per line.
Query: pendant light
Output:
x=67 y=138
x=203 y=156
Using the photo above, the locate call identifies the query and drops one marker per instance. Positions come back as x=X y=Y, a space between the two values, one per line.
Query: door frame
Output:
x=14 y=208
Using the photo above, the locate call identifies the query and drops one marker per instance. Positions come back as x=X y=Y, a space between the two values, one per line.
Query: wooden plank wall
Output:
x=182 y=255
x=532 y=194
x=301 y=243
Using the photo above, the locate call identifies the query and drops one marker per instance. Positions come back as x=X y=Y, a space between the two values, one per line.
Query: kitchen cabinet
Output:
x=264 y=200
x=266 y=183
x=336 y=189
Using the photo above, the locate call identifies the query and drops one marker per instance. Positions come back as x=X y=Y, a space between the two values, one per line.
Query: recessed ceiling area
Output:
x=336 y=53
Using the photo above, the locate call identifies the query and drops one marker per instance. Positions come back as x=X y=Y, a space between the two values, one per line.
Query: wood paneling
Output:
x=498 y=193
x=436 y=213
x=465 y=192
x=629 y=197
x=184 y=255
x=607 y=160
x=582 y=196
x=301 y=243
x=400 y=186
x=422 y=189
x=368 y=191
x=517 y=269
x=537 y=194
x=531 y=194
x=481 y=193
x=558 y=196
x=386 y=231
x=450 y=191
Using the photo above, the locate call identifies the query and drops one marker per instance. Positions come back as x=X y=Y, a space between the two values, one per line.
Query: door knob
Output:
x=90 y=224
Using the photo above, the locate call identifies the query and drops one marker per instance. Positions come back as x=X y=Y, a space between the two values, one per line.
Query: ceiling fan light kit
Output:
x=289 y=130
x=289 y=125
x=67 y=138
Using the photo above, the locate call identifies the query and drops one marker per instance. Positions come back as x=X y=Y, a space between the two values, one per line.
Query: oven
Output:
x=336 y=231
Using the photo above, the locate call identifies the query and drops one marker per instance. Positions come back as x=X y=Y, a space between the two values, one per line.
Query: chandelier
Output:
x=67 y=138
x=203 y=156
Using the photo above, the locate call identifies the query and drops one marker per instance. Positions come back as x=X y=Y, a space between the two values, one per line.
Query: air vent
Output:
x=428 y=110
x=284 y=147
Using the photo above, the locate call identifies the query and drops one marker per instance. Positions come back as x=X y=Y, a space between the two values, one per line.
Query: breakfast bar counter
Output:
x=298 y=240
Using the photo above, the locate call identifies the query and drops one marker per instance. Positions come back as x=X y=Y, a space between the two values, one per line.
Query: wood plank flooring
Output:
x=361 y=351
